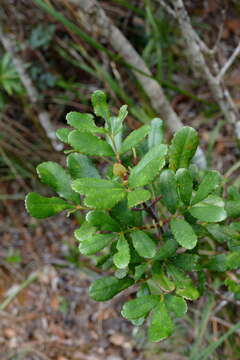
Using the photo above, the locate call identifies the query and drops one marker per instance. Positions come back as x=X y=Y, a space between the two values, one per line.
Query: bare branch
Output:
x=9 y=43
x=168 y=9
x=229 y=62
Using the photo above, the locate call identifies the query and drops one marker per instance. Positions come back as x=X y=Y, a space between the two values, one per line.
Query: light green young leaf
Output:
x=160 y=283
x=139 y=307
x=138 y=196
x=183 y=233
x=233 y=260
x=155 y=136
x=148 y=167
x=176 y=304
x=209 y=183
x=100 y=193
x=134 y=138
x=140 y=270
x=122 y=257
x=89 y=144
x=161 y=325
x=83 y=122
x=102 y=220
x=210 y=210
x=185 y=185
x=80 y=166
x=100 y=106
x=143 y=244
x=107 y=287
x=41 y=207
x=85 y=231
x=116 y=121
x=95 y=243
x=62 y=134
x=183 y=147
x=168 y=189
x=53 y=175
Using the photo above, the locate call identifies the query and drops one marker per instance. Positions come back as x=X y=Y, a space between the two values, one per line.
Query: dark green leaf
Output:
x=83 y=122
x=100 y=193
x=143 y=244
x=217 y=263
x=209 y=183
x=80 y=166
x=168 y=189
x=140 y=271
x=176 y=304
x=102 y=220
x=155 y=136
x=210 y=210
x=185 y=185
x=41 y=207
x=89 y=144
x=107 y=287
x=139 y=307
x=166 y=250
x=183 y=233
x=148 y=167
x=233 y=208
x=95 y=243
x=183 y=147
x=134 y=138
x=122 y=258
x=187 y=262
x=161 y=325
x=53 y=175
x=138 y=196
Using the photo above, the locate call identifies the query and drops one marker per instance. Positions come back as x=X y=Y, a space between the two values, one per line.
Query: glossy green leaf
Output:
x=62 y=134
x=89 y=144
x=139 y=307
x=148 y=167
x=168 y=189
x=185 y=185
x=107 y=287
x=143 y=244
x=100 y=193
x=80 y=166
x=83 y=122
x=138 y=196
x=41 y=207
x=209 y=183
x=100 y=106
x=161 y=325
x=210 y=210
x=134 y=138
x=166 y=250
x=85 y=232
x=155 y=136
x=176 y=305
x=122 y=258
x=183 y=147
x=53 y=175
x=183 y=233
x=102 y=220
x=233 y=260
x=95 y=243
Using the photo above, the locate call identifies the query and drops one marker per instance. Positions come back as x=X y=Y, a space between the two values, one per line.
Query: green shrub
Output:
x=156 y=223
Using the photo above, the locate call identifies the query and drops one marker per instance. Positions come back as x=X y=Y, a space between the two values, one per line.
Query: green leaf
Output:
x=140 y=271
x=233 y=260
x=139 y=307
x=160 y=282
x=134 y=138
x=62 y=134
x=85 y=232
x=102 y=220
x=210 y=210
x=209 y=183
x=138 y=196
x=161 y=325
x=95 y=243
x=217 y=263
x=155 y=136
x=166 y=250
x=83 y=122
x=100 y=106
x=183 y=147
x=185 y=185
x=187 y=262
x=107 y=287
x=89 y=144
x=168 y=189
x=148 y=167
x=183 y=233
x=100 y=193
x=176 y=305
x=116 y=121
x=41 y=207
x=143 y=244
x=183 y=283
x=80 y=166
x=122 y=258
x=53 y=175
x=233 y=208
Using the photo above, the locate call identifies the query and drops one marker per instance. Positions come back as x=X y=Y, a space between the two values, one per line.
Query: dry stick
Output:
x=94 y=18
x=9 y=43
x=199 y=65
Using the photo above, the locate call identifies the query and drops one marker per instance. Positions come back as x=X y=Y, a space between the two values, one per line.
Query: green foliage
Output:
x=149 y=214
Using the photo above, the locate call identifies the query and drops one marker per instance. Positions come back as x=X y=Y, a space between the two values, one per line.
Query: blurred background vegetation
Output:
x=66 y=59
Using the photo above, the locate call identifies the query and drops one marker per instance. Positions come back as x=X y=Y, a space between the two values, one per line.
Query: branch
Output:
x=9 y=43
x=229 y=63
